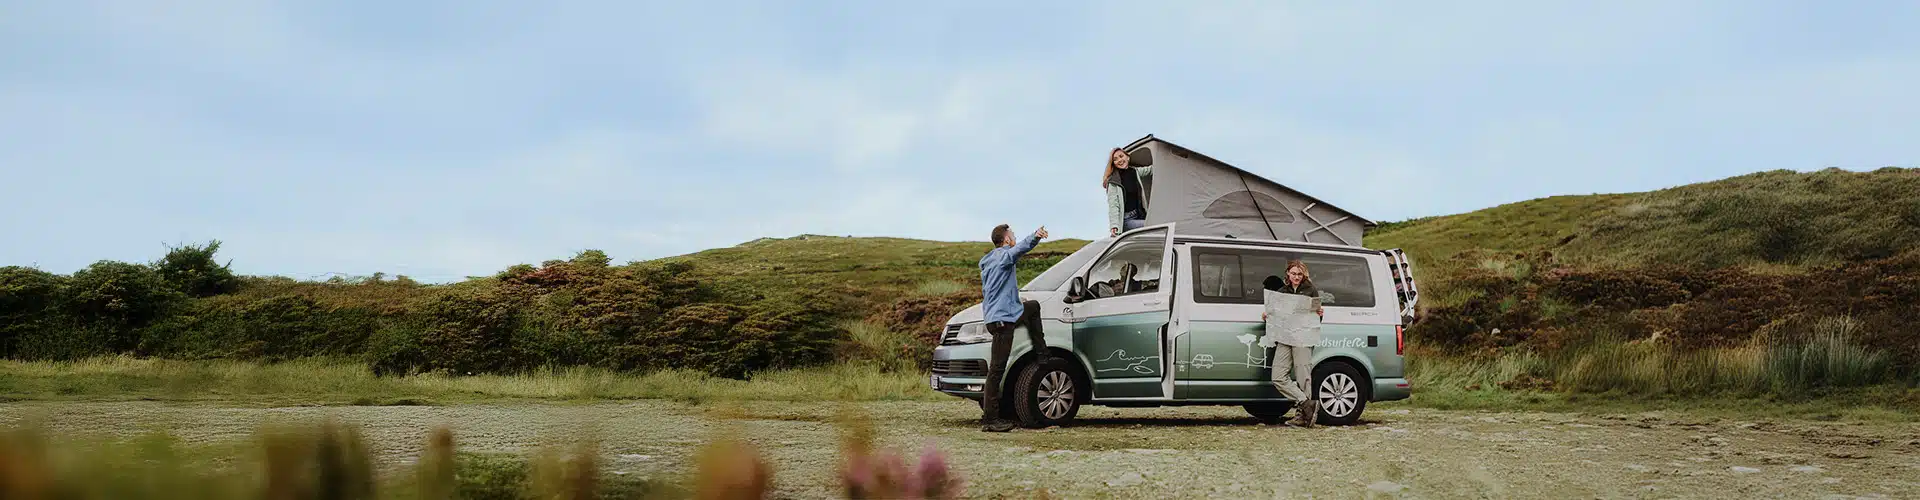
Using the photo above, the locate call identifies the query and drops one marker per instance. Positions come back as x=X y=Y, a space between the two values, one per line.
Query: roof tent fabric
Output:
x=1207 y=197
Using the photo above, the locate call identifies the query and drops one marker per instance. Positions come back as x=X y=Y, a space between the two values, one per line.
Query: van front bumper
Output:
x=1391 y=389
x=961 y=385
x=966 y=387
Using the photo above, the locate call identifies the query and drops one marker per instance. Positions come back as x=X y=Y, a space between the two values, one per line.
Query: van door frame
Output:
x=1166 y=297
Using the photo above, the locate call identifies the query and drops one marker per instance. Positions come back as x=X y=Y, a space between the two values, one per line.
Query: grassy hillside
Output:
x=867 y=271
x=1743 y=266
x=1771 y=220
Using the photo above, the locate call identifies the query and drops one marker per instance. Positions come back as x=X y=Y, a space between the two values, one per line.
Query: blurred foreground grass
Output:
x=327 y=459
x=314 y=381
x=315 y=460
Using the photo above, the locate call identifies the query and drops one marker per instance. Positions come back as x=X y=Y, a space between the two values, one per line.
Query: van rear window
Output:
x=1234 y=275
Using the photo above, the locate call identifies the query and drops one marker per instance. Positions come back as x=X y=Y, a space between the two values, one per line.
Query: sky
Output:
x=442 y=139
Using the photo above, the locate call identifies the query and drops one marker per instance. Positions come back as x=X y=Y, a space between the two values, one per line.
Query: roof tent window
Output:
x=1248 y=205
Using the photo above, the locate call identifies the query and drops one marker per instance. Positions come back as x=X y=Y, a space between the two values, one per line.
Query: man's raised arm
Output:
x=1027 y=244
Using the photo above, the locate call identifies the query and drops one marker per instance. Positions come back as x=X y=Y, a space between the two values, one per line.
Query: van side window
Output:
x=1234 y=276
x=1131 y=267
x=1217 y=276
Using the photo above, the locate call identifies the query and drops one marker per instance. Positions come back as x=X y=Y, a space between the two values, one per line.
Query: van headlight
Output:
x=972 y=333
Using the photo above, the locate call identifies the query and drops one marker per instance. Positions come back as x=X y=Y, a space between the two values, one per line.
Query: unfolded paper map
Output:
x=1291 y=320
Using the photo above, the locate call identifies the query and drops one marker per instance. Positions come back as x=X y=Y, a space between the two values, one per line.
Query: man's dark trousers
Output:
x=1002 y=346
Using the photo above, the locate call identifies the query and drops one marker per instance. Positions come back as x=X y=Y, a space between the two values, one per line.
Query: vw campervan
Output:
x=1155 y=318
x=1169 y=314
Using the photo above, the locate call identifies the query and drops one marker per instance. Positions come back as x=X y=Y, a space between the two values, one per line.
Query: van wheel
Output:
x=1269 y=413
x=1342 y=393
x=1048 y=394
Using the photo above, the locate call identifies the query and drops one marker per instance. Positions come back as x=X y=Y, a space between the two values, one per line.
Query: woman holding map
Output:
x=1293 y=327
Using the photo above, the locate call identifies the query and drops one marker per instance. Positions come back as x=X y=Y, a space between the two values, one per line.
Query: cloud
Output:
x=857 y=119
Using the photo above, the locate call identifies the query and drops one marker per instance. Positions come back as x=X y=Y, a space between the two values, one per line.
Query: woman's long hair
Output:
x=1108 y=177
x=1306 y=277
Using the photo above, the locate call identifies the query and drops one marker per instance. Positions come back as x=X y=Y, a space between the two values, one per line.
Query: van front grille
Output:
x=960 y=367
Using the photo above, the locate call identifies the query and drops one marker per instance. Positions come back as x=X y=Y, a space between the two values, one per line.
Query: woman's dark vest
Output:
x=1129 y=182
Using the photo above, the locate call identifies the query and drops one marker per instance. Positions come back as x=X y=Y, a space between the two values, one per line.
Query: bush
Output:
x=192 y=270
x=275 y=328
x=295 y=326
x=395 y=349
x=27 y=300
x=732 y=341
x=117 y=299
x=470 y=331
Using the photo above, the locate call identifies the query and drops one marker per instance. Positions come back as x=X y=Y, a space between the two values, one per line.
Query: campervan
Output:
x=1169 y=314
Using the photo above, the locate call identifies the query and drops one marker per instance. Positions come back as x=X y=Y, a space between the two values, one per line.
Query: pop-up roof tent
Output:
x=1208 y=197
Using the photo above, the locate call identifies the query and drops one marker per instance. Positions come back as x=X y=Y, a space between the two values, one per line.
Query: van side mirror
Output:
x=1077 y=291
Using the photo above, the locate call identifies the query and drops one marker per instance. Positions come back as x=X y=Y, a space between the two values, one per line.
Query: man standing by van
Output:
x=1005 y=311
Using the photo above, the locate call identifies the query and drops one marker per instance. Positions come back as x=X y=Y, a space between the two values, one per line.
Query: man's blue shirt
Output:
x=999 y=283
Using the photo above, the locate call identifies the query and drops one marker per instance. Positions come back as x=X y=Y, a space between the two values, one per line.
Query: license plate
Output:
x=933 y=381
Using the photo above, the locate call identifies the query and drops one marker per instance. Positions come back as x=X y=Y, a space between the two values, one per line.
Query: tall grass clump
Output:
x=1825 y=357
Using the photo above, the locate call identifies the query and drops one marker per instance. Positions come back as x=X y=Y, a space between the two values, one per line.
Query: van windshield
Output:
x=1062 y=271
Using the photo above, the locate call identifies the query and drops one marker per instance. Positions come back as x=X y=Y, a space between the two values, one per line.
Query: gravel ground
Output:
x=1155 y=452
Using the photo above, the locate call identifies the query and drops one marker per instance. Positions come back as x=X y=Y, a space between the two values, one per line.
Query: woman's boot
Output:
x=1306 y=413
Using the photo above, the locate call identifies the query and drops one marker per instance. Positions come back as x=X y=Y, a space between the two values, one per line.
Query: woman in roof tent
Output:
x=1126 y=200
x=1293 y=339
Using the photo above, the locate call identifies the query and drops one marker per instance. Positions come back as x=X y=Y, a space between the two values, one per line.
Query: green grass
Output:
x=334 y=382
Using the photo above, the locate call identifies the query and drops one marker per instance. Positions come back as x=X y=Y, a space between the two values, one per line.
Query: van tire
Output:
x=1342 y=392
x=1048 y=394
x=1269 y=413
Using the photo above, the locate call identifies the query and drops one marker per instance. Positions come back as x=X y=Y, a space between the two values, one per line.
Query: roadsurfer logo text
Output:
x=1350 y=342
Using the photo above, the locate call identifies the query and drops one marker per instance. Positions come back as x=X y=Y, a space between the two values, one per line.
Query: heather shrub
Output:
x=472 y=330
x=1615 y=289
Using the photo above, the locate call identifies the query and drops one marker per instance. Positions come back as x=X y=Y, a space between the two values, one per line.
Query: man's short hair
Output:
x=1000 y=234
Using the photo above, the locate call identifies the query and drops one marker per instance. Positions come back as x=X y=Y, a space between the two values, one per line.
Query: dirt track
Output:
x=1160 y=453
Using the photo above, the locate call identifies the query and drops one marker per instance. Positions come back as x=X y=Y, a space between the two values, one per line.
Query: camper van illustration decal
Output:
x=1256 y=356
x=1136 y=364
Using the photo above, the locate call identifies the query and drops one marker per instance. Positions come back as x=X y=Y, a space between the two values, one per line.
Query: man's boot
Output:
x=990 y=420
x=1306 y=413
